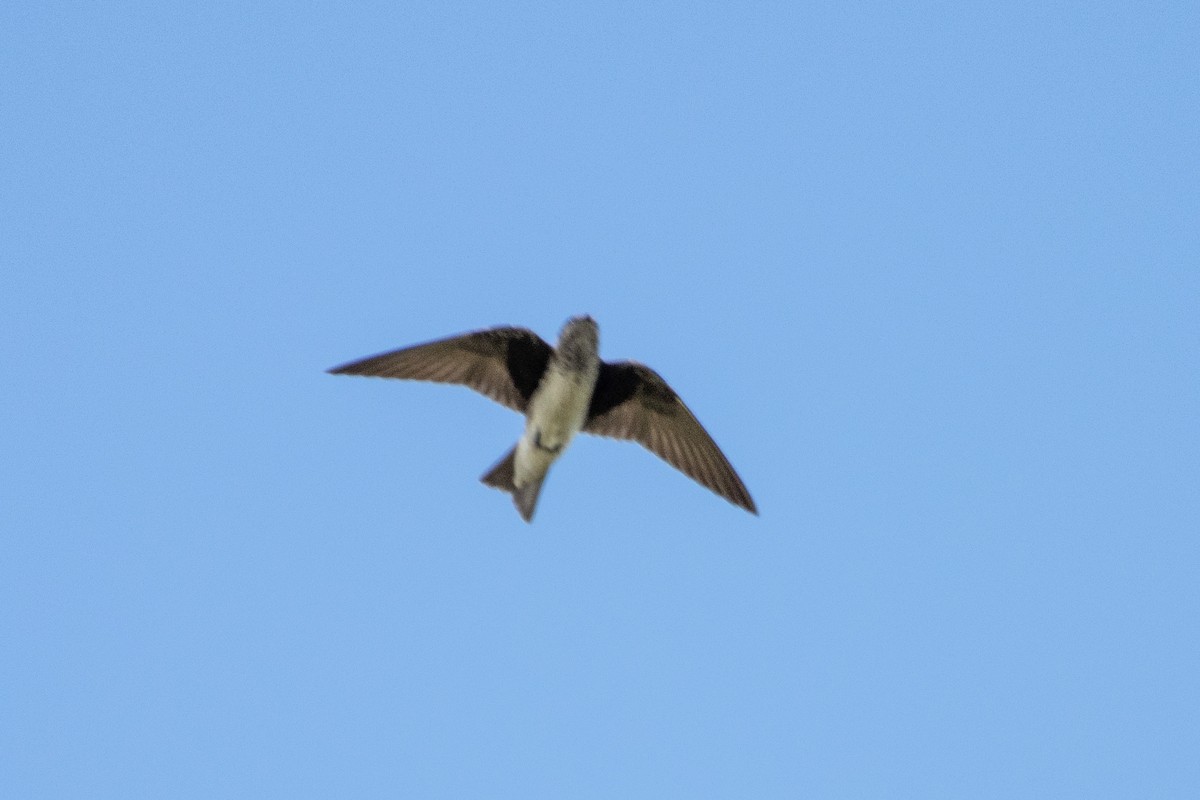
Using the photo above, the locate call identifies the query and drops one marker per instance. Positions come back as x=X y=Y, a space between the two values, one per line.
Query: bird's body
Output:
x=563 y=391
x=557 y=410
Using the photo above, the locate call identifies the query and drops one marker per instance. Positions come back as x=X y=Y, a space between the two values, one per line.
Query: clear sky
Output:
x=928 y=272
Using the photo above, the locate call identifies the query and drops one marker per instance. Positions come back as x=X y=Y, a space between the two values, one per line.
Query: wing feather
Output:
x=505 y=364
x=632 y=401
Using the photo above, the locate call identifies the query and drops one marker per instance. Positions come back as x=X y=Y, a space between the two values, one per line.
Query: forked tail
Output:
x=501 y=477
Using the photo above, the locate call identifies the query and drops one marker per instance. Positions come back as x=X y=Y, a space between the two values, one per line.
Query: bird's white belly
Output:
x=556 y=413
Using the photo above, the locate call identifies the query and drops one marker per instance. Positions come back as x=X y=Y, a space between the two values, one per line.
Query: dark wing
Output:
x=631 y=401
x=506 y=364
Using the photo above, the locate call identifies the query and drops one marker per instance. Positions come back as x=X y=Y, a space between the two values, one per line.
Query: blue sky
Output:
x=926 y=272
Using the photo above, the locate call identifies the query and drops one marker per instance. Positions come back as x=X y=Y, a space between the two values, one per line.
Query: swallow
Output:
x=561 y=391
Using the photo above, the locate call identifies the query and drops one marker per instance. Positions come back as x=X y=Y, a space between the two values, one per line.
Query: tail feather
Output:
x=500 y=477
x=525 y=498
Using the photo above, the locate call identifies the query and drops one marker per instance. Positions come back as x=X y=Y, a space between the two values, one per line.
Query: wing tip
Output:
x=744 y=501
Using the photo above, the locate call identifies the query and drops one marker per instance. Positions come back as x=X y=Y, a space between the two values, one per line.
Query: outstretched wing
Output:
x=632 y=402
x=506 y=364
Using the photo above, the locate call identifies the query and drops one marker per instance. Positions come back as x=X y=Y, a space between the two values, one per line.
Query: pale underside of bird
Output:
x=561 y=391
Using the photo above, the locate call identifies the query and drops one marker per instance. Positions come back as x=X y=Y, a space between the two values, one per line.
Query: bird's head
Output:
x=581 y=335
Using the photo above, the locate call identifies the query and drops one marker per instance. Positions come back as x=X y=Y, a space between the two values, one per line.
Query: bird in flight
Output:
x=561 y=391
